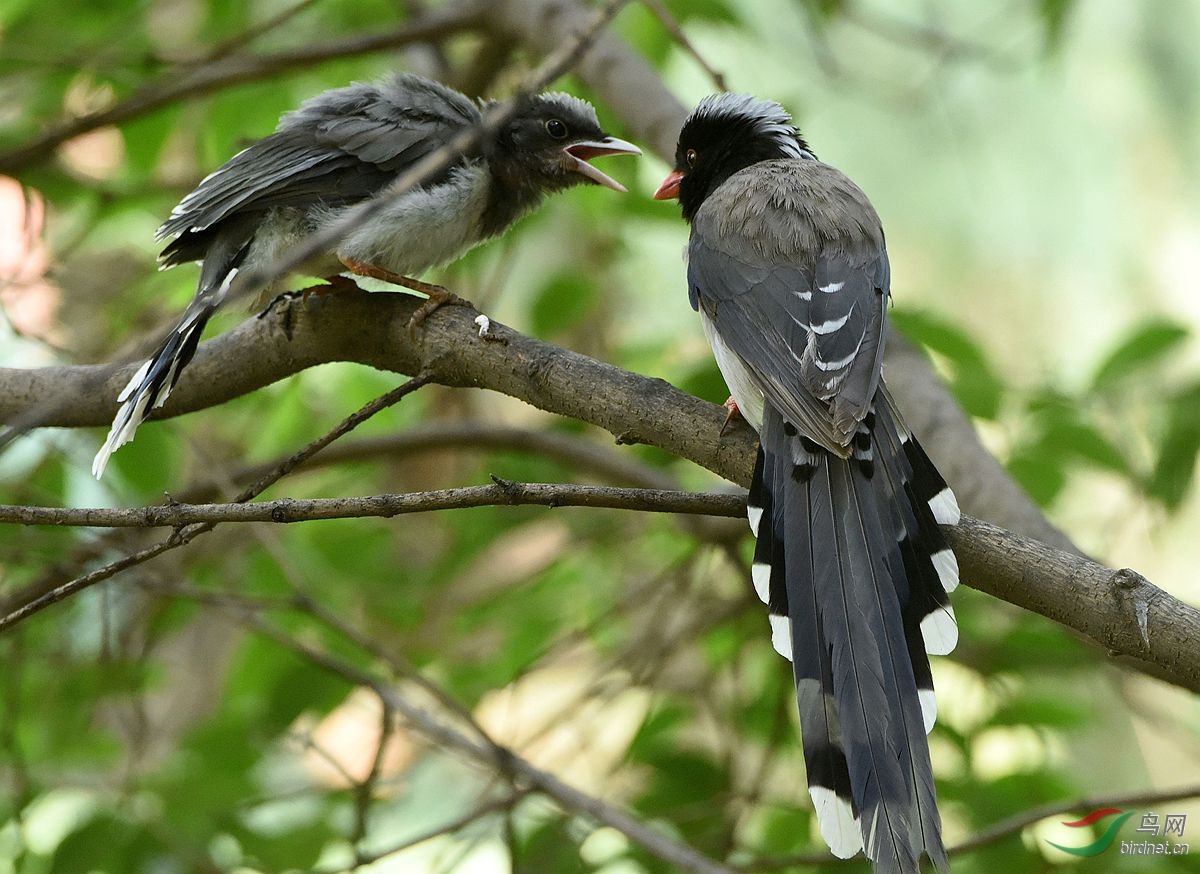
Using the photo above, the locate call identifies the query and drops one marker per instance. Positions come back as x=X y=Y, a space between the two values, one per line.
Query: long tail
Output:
x=153 y=381
x=855 y=573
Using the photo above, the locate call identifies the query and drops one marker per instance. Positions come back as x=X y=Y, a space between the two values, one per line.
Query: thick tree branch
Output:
x=1118 y=610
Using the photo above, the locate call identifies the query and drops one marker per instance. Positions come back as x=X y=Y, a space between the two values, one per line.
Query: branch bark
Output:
x=1117 y=609
x=286 y=510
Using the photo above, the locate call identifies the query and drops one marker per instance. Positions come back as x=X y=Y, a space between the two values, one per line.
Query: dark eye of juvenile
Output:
x=556 y=129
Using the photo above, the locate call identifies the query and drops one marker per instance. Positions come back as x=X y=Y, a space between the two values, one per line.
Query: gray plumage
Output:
x=338 y=149
x=788 y=269
x=805 y=240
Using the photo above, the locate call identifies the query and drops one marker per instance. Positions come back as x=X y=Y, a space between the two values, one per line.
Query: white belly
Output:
x=737 y=376
x=423 y=228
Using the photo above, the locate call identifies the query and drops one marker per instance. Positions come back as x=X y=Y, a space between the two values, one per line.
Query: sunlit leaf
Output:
x=1146 y=345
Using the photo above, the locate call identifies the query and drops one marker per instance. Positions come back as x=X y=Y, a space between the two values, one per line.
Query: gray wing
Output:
x=339 y=147
x=809 y=330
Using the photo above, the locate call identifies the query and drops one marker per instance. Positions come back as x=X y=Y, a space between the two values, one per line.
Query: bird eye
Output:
x=556 y=128
x=690 y=156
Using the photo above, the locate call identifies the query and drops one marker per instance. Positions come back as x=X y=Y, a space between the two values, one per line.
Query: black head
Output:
x=724 y=134
x=547 y=145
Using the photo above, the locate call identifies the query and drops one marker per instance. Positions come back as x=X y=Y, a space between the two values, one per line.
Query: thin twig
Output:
x=285 y=510
x=177 y=85
x=499 y=758
x=671 y=24
x=185 y=535
x=458 y=824
x=250 y=34
x=574 y=450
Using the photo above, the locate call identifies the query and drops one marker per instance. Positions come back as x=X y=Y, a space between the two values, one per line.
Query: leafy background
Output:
x=1032 y=165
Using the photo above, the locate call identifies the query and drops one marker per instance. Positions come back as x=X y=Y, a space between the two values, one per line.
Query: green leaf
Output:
x=107 y=843
x=1044 y=711
x=1147 y=344
x=974 y=382
x=1067 y=437
x=1042 y=476
x=1054 y=18
x=551 y=847
x=1175 y=467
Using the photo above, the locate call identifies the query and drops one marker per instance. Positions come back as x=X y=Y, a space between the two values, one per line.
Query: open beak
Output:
x=585 y=151
x=669 y=190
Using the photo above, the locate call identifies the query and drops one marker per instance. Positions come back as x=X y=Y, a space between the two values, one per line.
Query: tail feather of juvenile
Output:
x=150 y=386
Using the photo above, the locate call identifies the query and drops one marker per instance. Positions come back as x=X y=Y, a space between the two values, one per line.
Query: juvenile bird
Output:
x=788 y=270
x=343 y=147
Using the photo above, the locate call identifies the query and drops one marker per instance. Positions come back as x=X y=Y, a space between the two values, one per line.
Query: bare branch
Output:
x=198 y=80
x=480 y=811
x=574 y=450
x=502 y=759
x=671 y=24
x=187 y=534
x=503 y=492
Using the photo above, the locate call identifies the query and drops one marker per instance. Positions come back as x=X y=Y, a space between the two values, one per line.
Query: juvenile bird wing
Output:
x=339 y=147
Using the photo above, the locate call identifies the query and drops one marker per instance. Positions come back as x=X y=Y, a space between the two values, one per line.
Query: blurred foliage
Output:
x=145 y=729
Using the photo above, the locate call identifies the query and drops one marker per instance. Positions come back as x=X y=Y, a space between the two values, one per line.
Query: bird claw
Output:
x=330 y=285
x=438 y=298
x=733 y=414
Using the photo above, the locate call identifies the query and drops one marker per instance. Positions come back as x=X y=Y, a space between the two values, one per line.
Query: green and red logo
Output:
x=1102 y=843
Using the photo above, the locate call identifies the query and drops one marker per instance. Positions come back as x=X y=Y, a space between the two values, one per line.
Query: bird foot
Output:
x=438 y=297
x=734 y=414
x=330 y=285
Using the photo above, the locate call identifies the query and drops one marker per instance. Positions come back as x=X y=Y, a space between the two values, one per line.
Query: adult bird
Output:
x=343 y=147
x=788 y=270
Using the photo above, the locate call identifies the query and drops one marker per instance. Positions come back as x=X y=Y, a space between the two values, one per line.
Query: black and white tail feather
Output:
x=855 y=573
x=151 y=384
x=788 y=269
